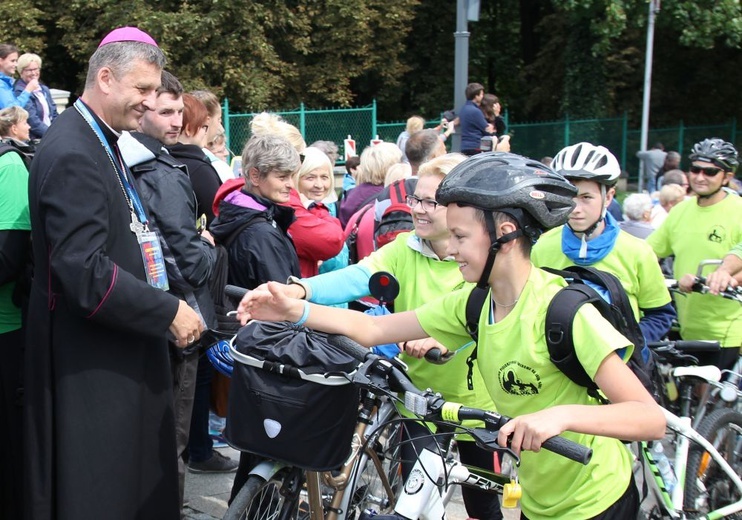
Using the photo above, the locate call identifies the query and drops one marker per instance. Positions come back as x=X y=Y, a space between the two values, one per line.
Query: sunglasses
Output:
x=707 y=172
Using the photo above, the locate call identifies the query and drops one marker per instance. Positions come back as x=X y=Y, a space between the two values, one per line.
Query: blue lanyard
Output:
x=129 y=192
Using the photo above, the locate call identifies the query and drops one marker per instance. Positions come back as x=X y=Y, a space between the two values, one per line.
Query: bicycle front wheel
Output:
x=707 y=487
x=377 y=477
x=274 y=499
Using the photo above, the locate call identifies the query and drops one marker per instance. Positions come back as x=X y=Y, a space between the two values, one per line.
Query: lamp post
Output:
x=654 y=8
x=466 y=11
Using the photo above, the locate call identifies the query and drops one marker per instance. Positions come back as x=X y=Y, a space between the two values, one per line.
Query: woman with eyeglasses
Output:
x=189 y=150
x=42 y=110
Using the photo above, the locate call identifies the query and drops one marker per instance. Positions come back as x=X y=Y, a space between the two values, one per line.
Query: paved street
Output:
x=206 y=495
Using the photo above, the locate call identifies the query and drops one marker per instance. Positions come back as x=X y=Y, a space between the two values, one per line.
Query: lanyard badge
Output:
x=149 y=244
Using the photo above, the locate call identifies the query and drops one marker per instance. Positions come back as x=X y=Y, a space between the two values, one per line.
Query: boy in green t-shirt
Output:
x=592 y=237
x=498 y=204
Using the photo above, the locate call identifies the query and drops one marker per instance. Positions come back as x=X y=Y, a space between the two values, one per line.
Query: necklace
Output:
x=504 y=306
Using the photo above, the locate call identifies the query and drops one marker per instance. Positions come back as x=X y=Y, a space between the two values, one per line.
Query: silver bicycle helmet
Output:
x=716 y=151
x=589 y=162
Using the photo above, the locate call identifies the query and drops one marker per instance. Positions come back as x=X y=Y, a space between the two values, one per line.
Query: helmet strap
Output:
x=495 y=247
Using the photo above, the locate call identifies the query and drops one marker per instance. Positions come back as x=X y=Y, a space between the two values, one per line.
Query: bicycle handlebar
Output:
x=235 y=292
x=379 y=372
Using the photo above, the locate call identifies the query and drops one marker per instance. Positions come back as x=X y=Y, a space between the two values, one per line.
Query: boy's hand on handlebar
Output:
x=417 y=348
x=269 y=303
x=529 y=432
x=719 y=280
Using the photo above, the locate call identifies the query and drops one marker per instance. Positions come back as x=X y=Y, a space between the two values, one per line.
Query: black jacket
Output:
x=167 y=195
x=263 y=251
x=203 y=176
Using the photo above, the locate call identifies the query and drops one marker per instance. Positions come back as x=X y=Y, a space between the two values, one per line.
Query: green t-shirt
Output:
x=694 y=233
x=14 y=215
x=631 y=260
x=431 y=278
x=514 y=360
x=737 y=250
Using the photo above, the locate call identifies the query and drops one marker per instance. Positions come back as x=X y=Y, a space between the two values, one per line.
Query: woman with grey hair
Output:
x=253 y=224
x=252 y=221
x=637 y=209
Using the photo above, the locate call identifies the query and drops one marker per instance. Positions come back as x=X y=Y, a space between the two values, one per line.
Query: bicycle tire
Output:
x=264 y=500
x=368 y=491
x=718 y=490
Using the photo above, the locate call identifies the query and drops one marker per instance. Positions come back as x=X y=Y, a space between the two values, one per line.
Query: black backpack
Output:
x=7 y=145
x=559 y=318
x=219 y=279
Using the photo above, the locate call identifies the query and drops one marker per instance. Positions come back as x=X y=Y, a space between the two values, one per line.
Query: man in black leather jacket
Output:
x=167 y=194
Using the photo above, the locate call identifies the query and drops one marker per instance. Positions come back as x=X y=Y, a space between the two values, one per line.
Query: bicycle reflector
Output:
x=417 y=404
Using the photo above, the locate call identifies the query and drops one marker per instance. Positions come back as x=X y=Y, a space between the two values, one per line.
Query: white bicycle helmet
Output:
x=589 y=162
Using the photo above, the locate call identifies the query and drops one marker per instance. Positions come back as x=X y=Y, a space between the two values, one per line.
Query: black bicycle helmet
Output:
x=716 y=151
x=507 y=182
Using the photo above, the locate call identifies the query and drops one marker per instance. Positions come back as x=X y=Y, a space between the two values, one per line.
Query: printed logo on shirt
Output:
x=718 y=234
x=519 y=379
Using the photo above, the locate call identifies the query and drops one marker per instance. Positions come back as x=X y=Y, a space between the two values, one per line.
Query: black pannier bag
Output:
x=289 y=399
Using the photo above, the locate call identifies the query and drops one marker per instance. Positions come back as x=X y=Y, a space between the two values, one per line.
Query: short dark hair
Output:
x=169 y=84
x=659 y=146
x=6 y=49
x=352 y=162
x=473 y=90
x=420 y=145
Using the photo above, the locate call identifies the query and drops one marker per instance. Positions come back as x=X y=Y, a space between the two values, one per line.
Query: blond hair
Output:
x=375 y=161
x=272 y=124
x=11 y=116
x=314 y=159
x=414 y=124
x=440 y=166
x=27 y=59
x=396 y=172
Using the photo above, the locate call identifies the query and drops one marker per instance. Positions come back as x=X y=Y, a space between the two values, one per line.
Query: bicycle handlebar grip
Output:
x=434 y=355
x=570 y=449
x=235 y=292
x=349 y=346
x=697 y=345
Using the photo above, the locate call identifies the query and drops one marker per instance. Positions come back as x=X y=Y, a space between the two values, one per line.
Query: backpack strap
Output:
x=474 y=305
x=7 y=147
x=352 y=239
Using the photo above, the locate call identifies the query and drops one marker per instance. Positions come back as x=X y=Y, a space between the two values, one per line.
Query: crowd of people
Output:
x=110 y=233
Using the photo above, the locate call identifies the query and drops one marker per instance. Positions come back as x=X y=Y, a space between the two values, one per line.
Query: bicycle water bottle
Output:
x=664 y=466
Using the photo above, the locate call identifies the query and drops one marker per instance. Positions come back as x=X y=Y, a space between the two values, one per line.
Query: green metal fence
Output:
x=532 y=139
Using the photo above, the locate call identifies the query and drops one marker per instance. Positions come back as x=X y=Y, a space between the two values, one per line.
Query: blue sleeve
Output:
x=341 y=286
x=8 y=99
x=656 y=322
x=38 y=128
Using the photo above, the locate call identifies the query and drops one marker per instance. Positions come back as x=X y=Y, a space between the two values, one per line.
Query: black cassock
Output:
x=100 y=438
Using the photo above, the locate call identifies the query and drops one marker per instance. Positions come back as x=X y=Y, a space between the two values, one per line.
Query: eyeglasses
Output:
x=707 y=172
x=37 y=69
x=427 y=204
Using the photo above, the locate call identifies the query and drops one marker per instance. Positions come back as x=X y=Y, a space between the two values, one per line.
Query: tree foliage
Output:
x=544 y=58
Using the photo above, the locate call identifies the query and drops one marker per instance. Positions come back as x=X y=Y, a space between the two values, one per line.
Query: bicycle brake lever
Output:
x=487 y=440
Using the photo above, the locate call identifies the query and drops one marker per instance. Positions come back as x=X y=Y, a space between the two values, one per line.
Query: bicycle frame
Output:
x=672 y=505
x=424 y=498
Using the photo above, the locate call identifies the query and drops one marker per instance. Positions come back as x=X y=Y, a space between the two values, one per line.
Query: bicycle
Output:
x=369 y=481
x=707 y=483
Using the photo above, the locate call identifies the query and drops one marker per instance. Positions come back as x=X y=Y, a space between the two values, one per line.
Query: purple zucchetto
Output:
x=127 y=34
